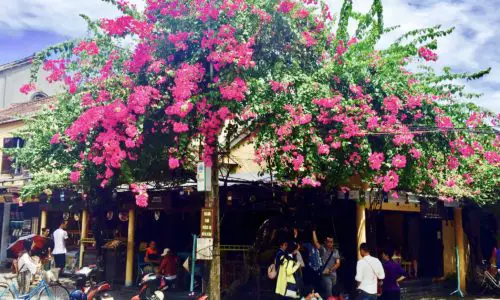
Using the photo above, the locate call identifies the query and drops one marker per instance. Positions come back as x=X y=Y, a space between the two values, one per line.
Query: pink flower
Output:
x=74 y=176
x=392 y=104
x=375 y=160
x=492 y=157
x=302 y=13
x=186 y=81
x=399 y=161
x=234 y=91
x=179 y=39
x=415 y=153
x=142 y=199
x=452 y=162
x=468 y=178
x=395 y=195
x=297 y=162
x=450 y=183
x=355 y=158
x=89 y=47
x=286 y=6
x=179 y=127
x=323 y=149
x=427 y=54
x=56 y=139
x=310 y=182
x=173 y=163
x=444 y=122
x=27 y=88
x=390 y=180
x=309 y=41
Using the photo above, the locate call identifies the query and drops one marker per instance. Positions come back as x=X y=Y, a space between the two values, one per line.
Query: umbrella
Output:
x=37 y=243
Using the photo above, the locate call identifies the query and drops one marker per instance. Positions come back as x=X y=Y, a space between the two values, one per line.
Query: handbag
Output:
x=323 y=267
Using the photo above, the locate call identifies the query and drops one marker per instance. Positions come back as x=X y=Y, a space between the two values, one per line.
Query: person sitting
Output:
x=26 y=268
x=151 y=255
x=168 y=266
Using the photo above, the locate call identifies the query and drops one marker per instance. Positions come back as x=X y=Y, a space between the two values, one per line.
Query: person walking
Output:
x=394 y=274
x=59 y=252
x=330 y=259
x=369 y=271
x=287 y=283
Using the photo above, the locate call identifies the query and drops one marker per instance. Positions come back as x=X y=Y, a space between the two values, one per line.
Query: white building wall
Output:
x=12 y=79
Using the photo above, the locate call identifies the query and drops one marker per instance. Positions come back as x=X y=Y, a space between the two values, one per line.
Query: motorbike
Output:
x=154 y=287
x=87 y=287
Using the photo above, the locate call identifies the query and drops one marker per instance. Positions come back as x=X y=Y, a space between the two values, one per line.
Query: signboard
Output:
x=207 y=223
x=203 y=178
x=204 y=248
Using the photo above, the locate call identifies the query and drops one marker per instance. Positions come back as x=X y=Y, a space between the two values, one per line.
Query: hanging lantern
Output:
x=123 y=216
x=157 y=215
x=229 y=201
x=109 y=215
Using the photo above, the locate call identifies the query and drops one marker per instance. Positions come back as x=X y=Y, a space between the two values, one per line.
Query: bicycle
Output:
x=42 y=291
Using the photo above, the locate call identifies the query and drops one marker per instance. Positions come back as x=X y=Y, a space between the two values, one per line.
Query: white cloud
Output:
x=56 y=16
x=475 y=44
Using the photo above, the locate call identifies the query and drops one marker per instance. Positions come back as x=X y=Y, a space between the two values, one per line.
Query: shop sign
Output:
x=204 y=248
x=207 y=223
x=203 y=178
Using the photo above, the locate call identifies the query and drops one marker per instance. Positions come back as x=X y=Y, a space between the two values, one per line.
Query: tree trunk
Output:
x=212 y=200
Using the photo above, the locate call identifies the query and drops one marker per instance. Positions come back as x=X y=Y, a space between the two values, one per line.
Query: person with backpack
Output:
x=369 y=271
x=287 y=285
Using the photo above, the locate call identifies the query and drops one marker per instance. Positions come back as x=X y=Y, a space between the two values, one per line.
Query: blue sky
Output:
x=27 y=26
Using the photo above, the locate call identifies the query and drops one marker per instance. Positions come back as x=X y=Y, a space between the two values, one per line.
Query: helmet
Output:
x=77 y=295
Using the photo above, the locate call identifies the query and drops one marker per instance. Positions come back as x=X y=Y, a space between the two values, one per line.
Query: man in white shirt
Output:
x=59 y=252
x=368 y=272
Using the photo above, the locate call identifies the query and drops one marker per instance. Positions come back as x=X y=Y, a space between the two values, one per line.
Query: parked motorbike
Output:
x=87 y=287
x=154 y=287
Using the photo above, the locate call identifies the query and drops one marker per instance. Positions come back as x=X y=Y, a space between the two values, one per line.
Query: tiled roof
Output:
x=19 y=110
x=16 y=63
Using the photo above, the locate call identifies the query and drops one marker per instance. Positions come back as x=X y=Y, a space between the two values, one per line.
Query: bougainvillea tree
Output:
x=158 y=89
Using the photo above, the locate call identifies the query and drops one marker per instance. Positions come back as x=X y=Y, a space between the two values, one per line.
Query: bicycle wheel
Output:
x=54 y=292
x=6 y=293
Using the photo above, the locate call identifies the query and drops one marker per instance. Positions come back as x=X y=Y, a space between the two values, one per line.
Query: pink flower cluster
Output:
x=415 y=153
x=375 y=160
x=308 y=181
x=142 y=55
x=427 y=54
x=141 y=194
x=56 y=139
x=225 y=48
x=125 y=24
x=309 y=40
x=179 y=39
x=89 y=47
x=27 y=88
x=452 y=162
x=399 y=161
x=392 y=104
x=234 y=91
x=286 y=6
x=390 y=181
x=141 y=98
x=173 y=163
x=74 y=177
x=264 y=17
x=186 y=81
x=279 y=87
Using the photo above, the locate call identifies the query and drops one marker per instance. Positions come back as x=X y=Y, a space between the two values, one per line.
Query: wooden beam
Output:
x=459 y=232
x=129 y=271
x=360 y=226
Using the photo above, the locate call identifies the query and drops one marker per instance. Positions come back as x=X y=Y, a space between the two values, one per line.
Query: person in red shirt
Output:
x=151 y=255
x=168 y=266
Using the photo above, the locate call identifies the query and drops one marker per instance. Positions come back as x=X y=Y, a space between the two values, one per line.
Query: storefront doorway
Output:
x=416 y=239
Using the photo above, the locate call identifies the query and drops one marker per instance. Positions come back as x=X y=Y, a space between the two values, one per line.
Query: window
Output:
x=38 y=96
x=7 y=162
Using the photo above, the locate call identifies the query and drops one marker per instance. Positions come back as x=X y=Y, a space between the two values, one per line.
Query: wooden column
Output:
x=43 y=220
x=84 y=231
x=129 y=271
x=360 y=226
x=449 y=244
x=459 y=233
